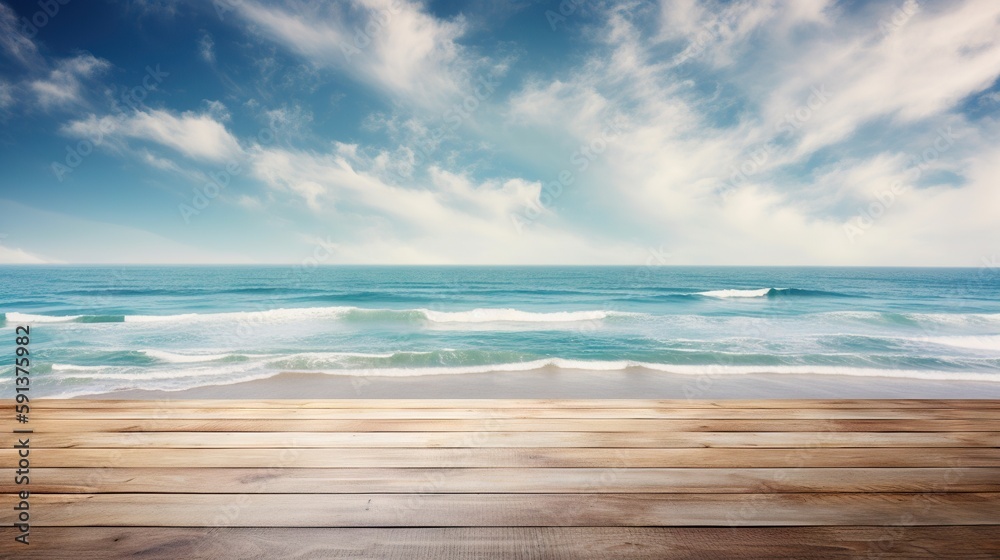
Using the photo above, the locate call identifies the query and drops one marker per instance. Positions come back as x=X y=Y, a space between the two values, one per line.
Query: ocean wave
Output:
x=679 y=369
x=919 y=319
x=22 y=318
x=173 y=358
x=74 y=367
x=349 y=314
x=735 y=293
x=982 y=342
x=514 y=315
x=769 y=293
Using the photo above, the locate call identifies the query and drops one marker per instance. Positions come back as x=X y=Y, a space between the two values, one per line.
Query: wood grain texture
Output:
x=509 y=457
x=661 y=440
x=506 y=480
x=41 y=424
x=490 y=543
x=510 y=510
x=428 y=479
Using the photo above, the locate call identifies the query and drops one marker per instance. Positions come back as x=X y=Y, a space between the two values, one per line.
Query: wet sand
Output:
x=553 y=383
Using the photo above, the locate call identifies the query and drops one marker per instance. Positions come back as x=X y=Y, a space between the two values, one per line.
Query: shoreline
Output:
x=555 y=383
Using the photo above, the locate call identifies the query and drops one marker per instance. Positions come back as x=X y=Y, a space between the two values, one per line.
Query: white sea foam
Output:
x=15 y=317
x=695 y=370
x=73 y=367
x=984 y=342
x=251 y=317
x=736 y=293
x=173 y=358
x=513 y=315
x=482 y=315
x=179 y=377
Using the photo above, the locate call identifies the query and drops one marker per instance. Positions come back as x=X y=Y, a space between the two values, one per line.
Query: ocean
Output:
x=99 y=329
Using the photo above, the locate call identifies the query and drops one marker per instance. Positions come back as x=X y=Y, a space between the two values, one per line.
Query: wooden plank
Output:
x=396 y=404
x=512 y=457
x=509 y=510
x=512 y=439
x=517 y=478
x=489 y=543
x=41 y=424
x=505 y=480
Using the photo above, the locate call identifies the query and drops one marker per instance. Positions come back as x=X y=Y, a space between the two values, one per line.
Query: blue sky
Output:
x=795 y=132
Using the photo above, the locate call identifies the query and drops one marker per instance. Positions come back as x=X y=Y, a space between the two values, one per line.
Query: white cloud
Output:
x=63 y=85
x=206 y=48
x=663 y=174
x=6 y=95
x=392 y=45
x=716 y=32
x=96 y=242
x=198 y=136
x=450 y=219
x=14 y=42
x=923 y=67
x=9 y=255
x=249 y=202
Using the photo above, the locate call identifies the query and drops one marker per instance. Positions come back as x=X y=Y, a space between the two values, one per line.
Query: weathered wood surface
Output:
x=508 y=480
x=490 y=543
x=510 y=510
x=586 y=425
x=662 y=440
x=474 y=457
x=522 y=478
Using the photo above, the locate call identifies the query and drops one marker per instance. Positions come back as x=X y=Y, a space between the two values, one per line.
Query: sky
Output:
x=764 y=132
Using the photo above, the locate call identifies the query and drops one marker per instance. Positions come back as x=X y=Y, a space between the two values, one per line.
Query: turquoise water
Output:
x=97 y=329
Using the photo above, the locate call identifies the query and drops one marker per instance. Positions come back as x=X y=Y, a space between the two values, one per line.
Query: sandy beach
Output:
x=554 y=383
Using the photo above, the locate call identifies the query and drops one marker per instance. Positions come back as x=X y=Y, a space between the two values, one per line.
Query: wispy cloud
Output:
x=392 y=45
x=206 y=48
x=196 y=135
x=63 y=86
x=734 y=132
x=795 y=93
x=14 y=42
